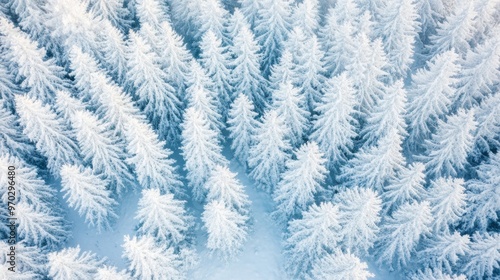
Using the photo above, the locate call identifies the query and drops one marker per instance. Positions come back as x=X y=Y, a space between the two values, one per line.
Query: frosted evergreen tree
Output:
x=456 y=30
x=387 y=114
x=150 y=158
x=359 y=216
x=448 y=200
x=483 y=195
x=223 y=186
x=113 y=49
x=434 y=274
x=480 y=71
x=156 y=96
x=114 y=11
x=28 y=259
x=445 y=250
x=283 y=71
x=268 y=155
x=235 y=22
x=338 y=44
x=430 y=13
x=246 y=76
x=148 y=259
x=66 y=106
x=51 y=136
x=30 y=18
x=375 y=165
x=151 y=12
x=484 y=256
x=162 y=216
x=215 y=59
x=8 y=87
x=250 y=9
x=306 y=16
x=111 y=272
x=301 y=181
x=102 y=149
x=341 y=266
x=83 y=69
x=488 y=128
x=200 y=149
x=71 y=263
x=448 y=148
x=431 y=94
x=87 y=193
x=12 y=140
x=289 y=104
x=272 y=27
x=212 y=17
x=401 y=233
x=242 y=125
x=40 y=77
x=226 y=228
x=335 y=126
x=408 y=186
x=311 y=237
x=398 y=28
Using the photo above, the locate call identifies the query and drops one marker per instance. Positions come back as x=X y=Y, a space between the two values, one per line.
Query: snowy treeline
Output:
x=373 y=125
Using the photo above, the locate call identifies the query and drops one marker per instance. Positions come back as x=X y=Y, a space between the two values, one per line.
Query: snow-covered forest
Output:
x=250 y=139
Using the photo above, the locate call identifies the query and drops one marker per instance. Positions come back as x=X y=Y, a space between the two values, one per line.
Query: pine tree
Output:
x=398 y=28
x=268 y=155
x=246 y=77
x=311 y=238
x=12 y=140
x=150 y=158
x=8 y=87
x=445 y=250
x=401 y=232
x=431 y=94
x=162 y=216
x=200 y=149
x=102 y=149
x=223 y=186
x=483 y=196
x=152 y=12
x=306 y=16
x=66 y=106
x=359 y=210
x=69 y=263
x=156 y=96
x=334 y=126
x=114 y=11
x=289 y=104
x=83 y=69
x=488 y=128
x=212 y=17
x=448 y=148
x=235 y=22
x=408 y=186
x=226 y=228
x=151 y=260
x=434 y=274
x=51 y=136
x=250 y=9
x=375 y=165
x=387 y=114
x=484 y=256
x=87 y=193
x=341 y=266
x=242 y=125
x=112 y=47
x=447 y=198
x=283 y=71
x=111 y=272
x=301 y=181
x=338 y=43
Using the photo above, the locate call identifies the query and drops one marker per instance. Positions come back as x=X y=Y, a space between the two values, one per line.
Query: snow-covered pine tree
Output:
x=335 y=126
x=112 y=50
x=215 y=59
x=66 y=106
x=102 y=149
x=70 y=263
x=30 y=17
x=40 y=77
x=398 y=25
x=152 y=12
x=242 y=125
x=222 y=185
x=114 y=11
x=483 y=196
x=268 y=155
x=401 y=233
x=487 y=134
x=431 y=94
x=306 y=16
x=444 y=251
x=226 y=228
x=448 y=200
x=42 y=126
x=87 y=193
x=250 y=9
x=162 y=216
x=200 y=149
x=341 y=266
x=272 y=27
x=434 y=274
x=151 y=260
x=212 y=17
x=148 y=82
x=151 y=159
x=338 y=44
x=12 y=140
x=291 y=106
x=311 y=237
x=246 y=77
x=387 y=114
x=375 y=165
x=447 y=150
x=300 y=182
x=359 y=215
x=408 y=186
x=484 y=256
x=8 y=87
x=83 y=69
x=235 y=22
x=283 y=71
x=111 y=272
